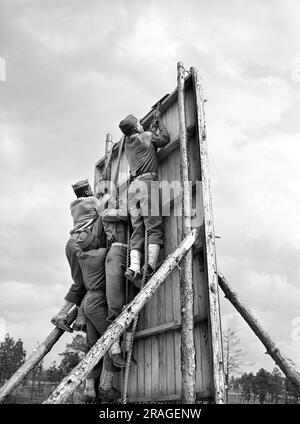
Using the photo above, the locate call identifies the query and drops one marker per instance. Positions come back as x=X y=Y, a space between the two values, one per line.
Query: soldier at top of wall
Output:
x=141 y=152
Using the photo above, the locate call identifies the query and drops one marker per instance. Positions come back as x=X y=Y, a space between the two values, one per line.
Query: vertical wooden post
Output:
x=188 y=367
x=209 y=247
x=108 y=154
x=105 y=175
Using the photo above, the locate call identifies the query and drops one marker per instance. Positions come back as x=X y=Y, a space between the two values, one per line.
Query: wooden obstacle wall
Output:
x=157 y=375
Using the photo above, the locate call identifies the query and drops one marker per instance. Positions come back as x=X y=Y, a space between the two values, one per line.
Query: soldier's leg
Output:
x=94 y=375
x=75 y=294
x=77 y=290
x=96 y=311
x=138 y=231
x=115 y=266
x=153 y=221
x=106 y=390
x=80 y=323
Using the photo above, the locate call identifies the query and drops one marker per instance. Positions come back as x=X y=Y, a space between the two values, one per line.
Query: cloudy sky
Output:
x=74 y=68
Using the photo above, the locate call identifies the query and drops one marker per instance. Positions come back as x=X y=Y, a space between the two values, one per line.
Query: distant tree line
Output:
x=13 y=355
x=264 y=387
x=70 y=358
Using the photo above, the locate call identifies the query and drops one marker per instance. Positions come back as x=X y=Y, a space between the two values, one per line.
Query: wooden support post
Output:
x=70 y=383
x=36 y=356
x=272 y=350
x=108 y=154
x=188 y=366
x=209 y=247
x=105 y=175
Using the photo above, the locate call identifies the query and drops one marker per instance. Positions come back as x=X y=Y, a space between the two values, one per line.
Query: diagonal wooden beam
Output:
x=36 y=356
x=284 y=364
x=70 y=383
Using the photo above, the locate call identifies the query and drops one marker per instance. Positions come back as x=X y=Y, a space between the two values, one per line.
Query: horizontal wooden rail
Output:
x=164 y=328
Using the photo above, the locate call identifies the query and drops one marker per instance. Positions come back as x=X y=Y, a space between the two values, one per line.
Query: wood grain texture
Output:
x=186 y=274
x=209 y=247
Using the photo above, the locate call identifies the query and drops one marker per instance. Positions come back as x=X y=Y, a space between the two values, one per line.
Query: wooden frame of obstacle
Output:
x=185 y=310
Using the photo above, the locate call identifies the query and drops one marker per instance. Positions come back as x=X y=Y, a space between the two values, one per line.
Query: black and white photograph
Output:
x=150 y=203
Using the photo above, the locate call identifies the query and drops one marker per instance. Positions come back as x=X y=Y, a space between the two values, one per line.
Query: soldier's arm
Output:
x=115 y=215
x=162 y=138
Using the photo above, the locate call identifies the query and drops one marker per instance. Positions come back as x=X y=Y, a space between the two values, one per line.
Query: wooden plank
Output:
x=162 y=362
x=161 y=316
x=206 y=349
x=209 y=246
x=177 y=341
x=170 y=349
x=200 y=365
x=164 y=328
x=189 y=105
x=169 y=397
x=155 y=376
x=177 y=233
x=148 y=365
x=174 y=145
x=163 y=358
x=174 y=384
x=186 y=274
x=151 y=399
x=140 y=368
x=133 y=375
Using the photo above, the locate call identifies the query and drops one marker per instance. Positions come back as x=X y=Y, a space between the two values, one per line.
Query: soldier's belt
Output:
x=147 y=174
x=116 y=243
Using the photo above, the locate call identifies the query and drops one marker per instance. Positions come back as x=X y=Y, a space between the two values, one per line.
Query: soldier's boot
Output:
x=60 y=319
x=80 y=322
x=109 y=395
x=106 y=391
x=115 y=354
x=89 y=390
x=133 y=273
x=152 y=258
